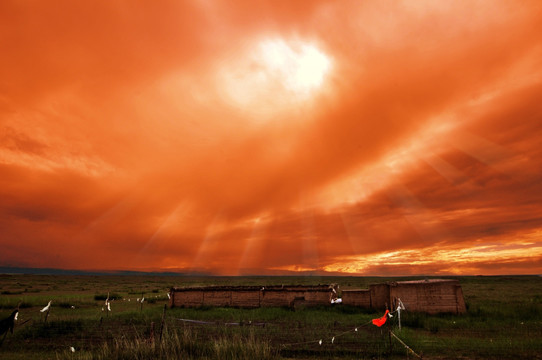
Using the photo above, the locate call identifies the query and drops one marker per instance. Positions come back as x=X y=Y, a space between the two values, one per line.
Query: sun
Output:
x=299 y=66
x=273 y=75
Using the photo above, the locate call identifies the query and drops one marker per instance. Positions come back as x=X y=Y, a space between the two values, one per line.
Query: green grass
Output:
x=177 y=345
x=504 y=321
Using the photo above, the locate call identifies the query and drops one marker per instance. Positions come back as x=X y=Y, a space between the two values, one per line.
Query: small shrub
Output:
x=30 y=290
x=8 y=292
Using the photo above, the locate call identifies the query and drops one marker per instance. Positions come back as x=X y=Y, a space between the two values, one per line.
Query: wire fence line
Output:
x=283 y=335
x=105 y=329
x=329 y=339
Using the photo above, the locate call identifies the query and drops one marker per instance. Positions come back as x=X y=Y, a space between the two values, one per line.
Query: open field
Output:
x=504 y=321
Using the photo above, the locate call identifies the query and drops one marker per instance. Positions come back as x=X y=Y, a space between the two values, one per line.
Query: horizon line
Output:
x=16 y=270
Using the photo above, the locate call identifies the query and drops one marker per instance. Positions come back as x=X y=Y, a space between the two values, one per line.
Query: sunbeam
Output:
x=149 y=137
x=171 y=224
x=207 y=251
x=252 y=252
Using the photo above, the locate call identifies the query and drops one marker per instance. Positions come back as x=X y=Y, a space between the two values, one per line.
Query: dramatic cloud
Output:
x=269 y=137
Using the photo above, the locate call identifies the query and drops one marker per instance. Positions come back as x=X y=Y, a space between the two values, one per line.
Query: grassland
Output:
x=504 y=321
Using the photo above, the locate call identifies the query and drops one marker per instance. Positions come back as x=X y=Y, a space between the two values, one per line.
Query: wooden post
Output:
x=400 y=307
x=162 y=323
x=47 y=315
x=388 y=325
x=389 y=336
x=151 y=339
x=141 y=303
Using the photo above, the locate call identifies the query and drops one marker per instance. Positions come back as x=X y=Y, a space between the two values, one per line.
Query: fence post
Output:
x=162 y=323
x=141 y=303
x=389 y=336
x=46 y=315
x=151 y=340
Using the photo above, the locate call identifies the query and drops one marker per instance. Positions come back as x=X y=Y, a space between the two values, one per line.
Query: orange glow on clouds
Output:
x=270 y=138
x=273 y=78
x=444 y=260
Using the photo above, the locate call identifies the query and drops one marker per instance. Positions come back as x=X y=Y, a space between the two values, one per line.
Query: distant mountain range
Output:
x=6 y=270
x=51 y=271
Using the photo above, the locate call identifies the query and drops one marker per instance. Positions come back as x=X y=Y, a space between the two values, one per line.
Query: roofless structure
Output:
x=251 y=296
x=430 y=296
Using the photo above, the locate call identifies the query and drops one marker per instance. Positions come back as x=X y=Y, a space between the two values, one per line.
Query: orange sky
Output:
x=371 y=138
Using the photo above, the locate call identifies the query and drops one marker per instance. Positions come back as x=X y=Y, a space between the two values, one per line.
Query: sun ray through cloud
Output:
x=266 y=138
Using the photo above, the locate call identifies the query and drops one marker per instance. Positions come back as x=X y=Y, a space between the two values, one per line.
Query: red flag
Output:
x=381 y=321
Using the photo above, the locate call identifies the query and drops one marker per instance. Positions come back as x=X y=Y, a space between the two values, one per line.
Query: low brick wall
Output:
x=248 y=299
x=430 y=296
x=217 y=298
x=188 y=299
x=359 y=297
x=250 y=296
x=380 y=296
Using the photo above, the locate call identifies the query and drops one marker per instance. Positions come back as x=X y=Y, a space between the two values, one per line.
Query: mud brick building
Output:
x=251 y=296
x=431 y=296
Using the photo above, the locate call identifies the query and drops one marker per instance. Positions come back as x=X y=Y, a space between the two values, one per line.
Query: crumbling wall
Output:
x=274 y=298
x=191 y=298
x=317 y=297
x=282 y=297
x=460 y=299
x=380 y=296
x=360 y=297
x=250 y=296
x=248 y=299
x=217 y=298
x=429 y=296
